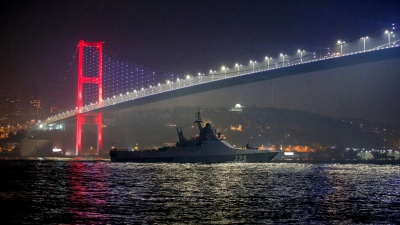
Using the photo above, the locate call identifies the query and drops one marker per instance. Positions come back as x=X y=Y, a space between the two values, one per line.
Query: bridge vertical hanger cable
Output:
x=133 y=75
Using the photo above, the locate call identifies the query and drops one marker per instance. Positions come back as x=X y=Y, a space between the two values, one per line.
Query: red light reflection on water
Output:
x=88 y=190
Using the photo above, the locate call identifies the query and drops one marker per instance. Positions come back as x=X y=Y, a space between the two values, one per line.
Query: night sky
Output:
x=39 y=40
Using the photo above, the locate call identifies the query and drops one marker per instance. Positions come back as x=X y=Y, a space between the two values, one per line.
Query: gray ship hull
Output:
x=214 y=152
x=207 y=147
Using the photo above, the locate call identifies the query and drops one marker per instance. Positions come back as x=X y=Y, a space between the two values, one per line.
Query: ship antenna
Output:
x=198 y=121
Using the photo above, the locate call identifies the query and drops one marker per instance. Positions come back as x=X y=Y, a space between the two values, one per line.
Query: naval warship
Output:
x=206 y=147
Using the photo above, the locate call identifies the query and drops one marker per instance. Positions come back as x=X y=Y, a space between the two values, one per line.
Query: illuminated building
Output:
x=35 y=103
x=237 y=108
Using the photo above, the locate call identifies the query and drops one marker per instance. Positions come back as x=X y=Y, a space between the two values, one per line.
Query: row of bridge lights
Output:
x=152 y=87
x=237 y=65
x=390 y=33
x=188 y=77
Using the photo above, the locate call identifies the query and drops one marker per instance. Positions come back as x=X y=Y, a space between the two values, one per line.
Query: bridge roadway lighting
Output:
x=387 y=32
x=301 y=54
x=224 y=68
x=364 y=41
x=190 y=79
x=341 y=47
x=201 y=77
x=283 y=59
x=268 y=58
x=168 y=82
x=253 y=64
x=179 y=82
x=238 y=66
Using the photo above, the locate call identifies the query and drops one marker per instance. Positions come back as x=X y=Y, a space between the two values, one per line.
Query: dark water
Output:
x=98 y=192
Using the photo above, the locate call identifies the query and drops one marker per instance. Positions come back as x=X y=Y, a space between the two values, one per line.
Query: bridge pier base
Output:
x=89 y=119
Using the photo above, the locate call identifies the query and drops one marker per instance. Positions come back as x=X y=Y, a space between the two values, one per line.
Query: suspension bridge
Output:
x=107 y=85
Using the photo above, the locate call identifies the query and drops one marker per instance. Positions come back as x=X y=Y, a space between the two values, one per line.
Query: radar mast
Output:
x=198 y=121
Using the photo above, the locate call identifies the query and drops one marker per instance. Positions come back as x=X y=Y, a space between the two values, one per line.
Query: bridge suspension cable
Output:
x=125 y=81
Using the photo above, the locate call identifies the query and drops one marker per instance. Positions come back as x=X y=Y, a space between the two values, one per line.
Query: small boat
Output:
x=206 y=147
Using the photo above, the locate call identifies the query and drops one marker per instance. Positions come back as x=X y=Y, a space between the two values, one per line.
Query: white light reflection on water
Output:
x=103 y=192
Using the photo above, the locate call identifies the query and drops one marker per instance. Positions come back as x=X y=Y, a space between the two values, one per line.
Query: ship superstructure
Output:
x=206 y=147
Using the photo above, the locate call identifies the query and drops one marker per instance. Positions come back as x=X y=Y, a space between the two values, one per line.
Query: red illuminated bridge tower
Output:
x=94 y=78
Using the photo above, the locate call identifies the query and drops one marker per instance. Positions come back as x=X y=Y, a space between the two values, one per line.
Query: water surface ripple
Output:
x=79 y=192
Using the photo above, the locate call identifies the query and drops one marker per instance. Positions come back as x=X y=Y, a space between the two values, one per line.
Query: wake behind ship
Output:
x=206 y=147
